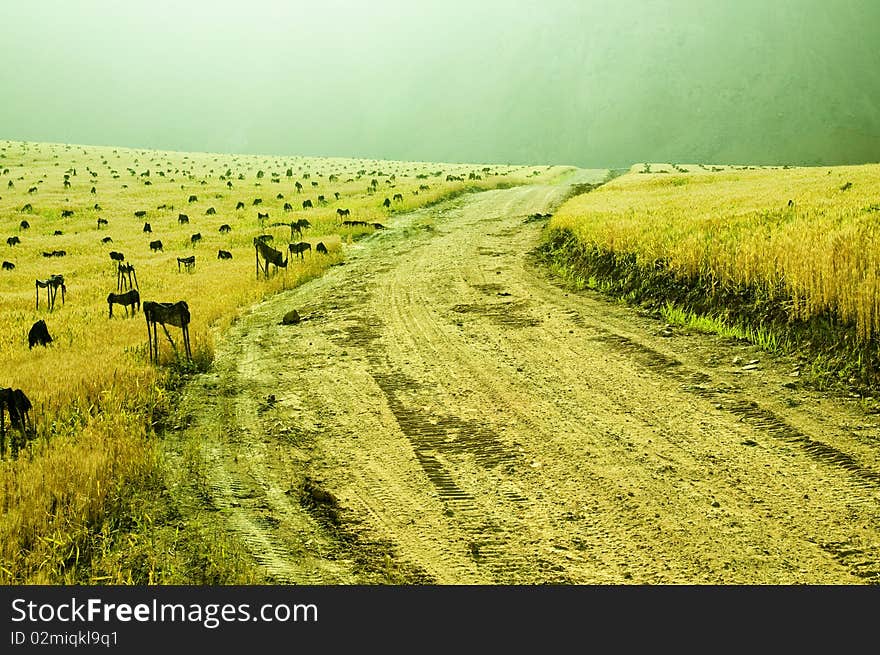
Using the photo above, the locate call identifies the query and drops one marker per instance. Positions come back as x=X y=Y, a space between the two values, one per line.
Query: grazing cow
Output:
x=117 y=256
x=11 y=241
x=52 y=284
x=307 y=203
x=66 y=213
x=288 y=207
x=378 y=226
x=156 y=245
x=57 y=233
x=148 y=228
x=8 y=266
x=102 y=221
x=224 y=254
x=140 y=213
x=59 y=253
x=269 y=255
x=299 y=248
x=195 y=238
x=24 y=225
x=128 y=299
x=210 y=211
x=225 y=228
x=39 y=335
x=386 y=203
x=257 y=201
x=182 y=218
x=398 y=197
x=126 y=278
x=321 y=248
x=28 y=207
x=321 y=199
x=189 y=263
x=18 y=406
x=33 y=189
x=266 y=238
x=164 y=313
x=193 y=199
x=239 y=205
x=262 y=217
x=107 y=240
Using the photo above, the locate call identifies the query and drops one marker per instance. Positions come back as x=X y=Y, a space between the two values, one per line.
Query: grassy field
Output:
x=786 y=257
x=84 y=502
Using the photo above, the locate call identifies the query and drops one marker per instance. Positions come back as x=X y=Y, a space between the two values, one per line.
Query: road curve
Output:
x=447 y=413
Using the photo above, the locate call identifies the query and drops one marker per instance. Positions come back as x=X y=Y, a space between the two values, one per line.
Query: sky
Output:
x=593 y=83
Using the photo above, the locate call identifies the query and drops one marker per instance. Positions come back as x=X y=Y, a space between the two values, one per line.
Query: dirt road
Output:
x=446 y=413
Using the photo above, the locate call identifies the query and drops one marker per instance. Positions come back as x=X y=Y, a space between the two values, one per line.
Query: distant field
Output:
x=96 y=397
x=789 y=248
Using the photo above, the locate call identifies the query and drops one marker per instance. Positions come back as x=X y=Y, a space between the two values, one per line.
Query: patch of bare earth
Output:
x=446 y=413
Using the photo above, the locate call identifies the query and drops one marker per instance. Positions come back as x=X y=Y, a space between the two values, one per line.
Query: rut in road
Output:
x=466 y=419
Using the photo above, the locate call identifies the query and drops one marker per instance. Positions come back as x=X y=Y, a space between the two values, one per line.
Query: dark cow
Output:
x=148 y=228
x=239 y=205
x=140 y=213
x=398 y=197
x=265 y=238
x=39 y=335
x=258 y=201
x=307 y=203
x=8 y=266
x=189 y=263
x=19 y=406
x=195 y=238
x=269 y=256
x=182 y=218
x=299 y=248
x=386 y=203
x=343 y=212
x=224 y=254
x=24 y=225
x=176 y=314
x=107 y=240
x=57 y=233
x=321 y=248
x=210 y=211
x=193 y=199
x=102 y=221
x=11 y=241
x=225 y=228
x=66 y=213
x=378 y=226
x=288 y=207
x=156 y=245
x=128 y=299
x=117 y=256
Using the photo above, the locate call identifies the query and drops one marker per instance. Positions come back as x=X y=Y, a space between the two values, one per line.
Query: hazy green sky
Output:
x=591 y=83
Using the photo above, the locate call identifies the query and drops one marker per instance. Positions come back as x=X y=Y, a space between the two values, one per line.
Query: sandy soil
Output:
x=446 y=413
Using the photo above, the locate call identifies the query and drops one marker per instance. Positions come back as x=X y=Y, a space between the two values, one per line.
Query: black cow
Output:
x=258 y=201
x=8 y=266
x=239 y=205
x=66 y=213
x=189 y=263
x=24 y=225
x=321 y=248
x=262 y=217
x=107 y=240
x=299 y=248
x=343 y=212
x=224 y=254
x=195 y=238
x=39 y=335
x=398 y=197
x=182 y=218
x=210 y=211
x=103 y=221
x=307 y=204
x=140 y=213
x=117 y=256
x=225 y=228
x=148 y=228
x=193 y=199
x=156 y=245
x=386 y=203
x=288 y=207
x=11 y=241
x=57 y=233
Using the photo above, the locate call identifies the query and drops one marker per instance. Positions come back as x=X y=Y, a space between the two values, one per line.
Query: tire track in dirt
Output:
x=475 y=422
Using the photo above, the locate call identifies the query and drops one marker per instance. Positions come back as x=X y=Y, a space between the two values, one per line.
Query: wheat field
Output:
x=808 y=238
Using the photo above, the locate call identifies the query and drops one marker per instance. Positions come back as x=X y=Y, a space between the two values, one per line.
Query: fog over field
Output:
x=595 y=83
